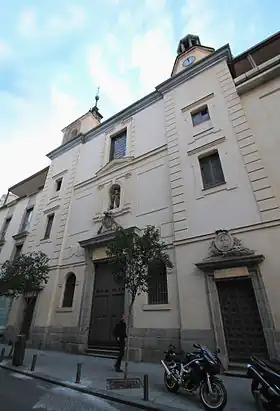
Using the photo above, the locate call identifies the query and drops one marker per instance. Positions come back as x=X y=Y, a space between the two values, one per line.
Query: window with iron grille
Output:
x=211 y=170
x=5 y=304
x=5 y=228
x=69 y=290
x=157 y=283
x=118 y=146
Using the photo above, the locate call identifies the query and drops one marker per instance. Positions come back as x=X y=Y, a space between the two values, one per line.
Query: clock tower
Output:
x=189 y=51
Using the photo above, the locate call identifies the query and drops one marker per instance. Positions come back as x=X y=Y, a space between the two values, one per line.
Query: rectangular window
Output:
x=157 y=284
x=199 y=116
x=5 y=228
x=211 y=170
x=27 y=219
x=118 y=146
x=49 y=226
x=18 y=251
x=5 y=304
x=58 y=184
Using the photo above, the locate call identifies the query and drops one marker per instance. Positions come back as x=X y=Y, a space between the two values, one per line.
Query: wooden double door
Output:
x=28 y=312
x=241 y=320
x=107 y=307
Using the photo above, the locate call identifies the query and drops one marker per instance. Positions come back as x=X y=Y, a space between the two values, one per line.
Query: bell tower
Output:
x=84 y=123
x=189 y=51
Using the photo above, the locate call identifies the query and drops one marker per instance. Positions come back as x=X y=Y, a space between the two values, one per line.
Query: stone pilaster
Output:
x=175 y=170
x=65 y=207
x=261 y=187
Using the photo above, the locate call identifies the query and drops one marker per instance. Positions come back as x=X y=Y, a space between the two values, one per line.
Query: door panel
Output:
x=241 y=320
x=107 y=306
x=28 y=315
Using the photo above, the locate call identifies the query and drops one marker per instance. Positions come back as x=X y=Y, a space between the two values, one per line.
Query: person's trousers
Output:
x=121 y=354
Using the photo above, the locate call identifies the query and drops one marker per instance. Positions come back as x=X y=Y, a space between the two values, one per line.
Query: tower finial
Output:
x=97 y=96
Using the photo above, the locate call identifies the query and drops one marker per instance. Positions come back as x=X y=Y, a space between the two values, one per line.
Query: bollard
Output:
x=78 y=374
x=19 y=351
x=146 y=387
x=33 y=364
x=2 y=355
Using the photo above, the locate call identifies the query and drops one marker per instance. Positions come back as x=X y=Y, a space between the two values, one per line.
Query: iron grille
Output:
x=157 y=284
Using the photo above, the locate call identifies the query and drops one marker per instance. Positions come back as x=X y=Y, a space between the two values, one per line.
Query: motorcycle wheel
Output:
x=267 y=404
x=216 y=401
x=170 y=383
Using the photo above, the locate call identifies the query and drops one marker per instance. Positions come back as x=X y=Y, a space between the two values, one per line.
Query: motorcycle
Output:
x=265 y=385
x=195 y=371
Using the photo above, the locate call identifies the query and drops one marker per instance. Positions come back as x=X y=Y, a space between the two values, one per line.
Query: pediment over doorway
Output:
x=226 y=251
x=114 y=165
x=105 y=233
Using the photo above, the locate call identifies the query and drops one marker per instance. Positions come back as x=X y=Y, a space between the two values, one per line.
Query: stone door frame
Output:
x=87 y=295
x=264 y=311
x=102 y=262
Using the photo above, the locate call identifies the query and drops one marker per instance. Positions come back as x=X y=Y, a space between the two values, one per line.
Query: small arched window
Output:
x=114 y=196
x=69 y=290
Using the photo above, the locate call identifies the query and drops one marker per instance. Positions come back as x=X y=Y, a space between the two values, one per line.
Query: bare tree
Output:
x=131 y=254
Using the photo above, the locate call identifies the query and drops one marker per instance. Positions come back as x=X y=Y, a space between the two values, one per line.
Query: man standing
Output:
x=120 y=335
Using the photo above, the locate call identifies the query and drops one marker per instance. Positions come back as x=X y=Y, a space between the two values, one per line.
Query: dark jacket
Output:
x=120 y=330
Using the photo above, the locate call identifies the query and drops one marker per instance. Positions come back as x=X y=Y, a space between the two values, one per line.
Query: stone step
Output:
x=238 y=365
x=102 y=352
x=236 y=369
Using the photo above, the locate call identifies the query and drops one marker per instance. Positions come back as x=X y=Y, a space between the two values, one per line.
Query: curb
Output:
x=236 y=374
x=141 y=404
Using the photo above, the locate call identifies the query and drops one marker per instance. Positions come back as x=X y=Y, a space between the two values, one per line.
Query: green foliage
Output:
x=132 y=253
x=26 y=273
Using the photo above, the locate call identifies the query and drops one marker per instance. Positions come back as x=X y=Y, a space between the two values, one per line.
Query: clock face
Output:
x=188 y=61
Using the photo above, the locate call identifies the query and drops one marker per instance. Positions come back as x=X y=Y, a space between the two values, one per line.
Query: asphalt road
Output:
x=22 y=393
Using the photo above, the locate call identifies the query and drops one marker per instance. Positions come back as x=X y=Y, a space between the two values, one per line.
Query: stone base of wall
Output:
x=149 y=344
x=202 y=337
x=68 y=339
x=146 y=344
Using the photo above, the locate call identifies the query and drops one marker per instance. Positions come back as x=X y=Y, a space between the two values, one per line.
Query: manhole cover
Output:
x=120 y=384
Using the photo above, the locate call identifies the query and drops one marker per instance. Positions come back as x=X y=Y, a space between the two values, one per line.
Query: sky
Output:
x=55 y=53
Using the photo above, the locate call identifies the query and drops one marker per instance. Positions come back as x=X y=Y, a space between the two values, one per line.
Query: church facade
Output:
x=197 y=158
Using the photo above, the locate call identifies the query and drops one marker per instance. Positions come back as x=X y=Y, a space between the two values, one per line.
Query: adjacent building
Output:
x=198 y=158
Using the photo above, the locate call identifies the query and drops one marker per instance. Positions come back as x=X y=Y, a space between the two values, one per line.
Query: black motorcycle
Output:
x=265 y=383
x=196 y=371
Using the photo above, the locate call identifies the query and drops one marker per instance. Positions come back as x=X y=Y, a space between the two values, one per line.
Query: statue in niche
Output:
x=115 y=196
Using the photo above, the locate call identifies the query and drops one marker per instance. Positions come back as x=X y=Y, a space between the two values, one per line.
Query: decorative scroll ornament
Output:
x=108 y=223
x=225 y=245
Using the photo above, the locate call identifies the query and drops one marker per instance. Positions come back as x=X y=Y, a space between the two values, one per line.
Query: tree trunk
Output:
x=128 y=337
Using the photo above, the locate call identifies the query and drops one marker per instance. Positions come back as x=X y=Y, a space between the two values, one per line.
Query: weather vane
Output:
x=97 y=96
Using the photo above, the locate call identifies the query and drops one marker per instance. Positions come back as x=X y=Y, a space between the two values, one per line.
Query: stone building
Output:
x=198 y=158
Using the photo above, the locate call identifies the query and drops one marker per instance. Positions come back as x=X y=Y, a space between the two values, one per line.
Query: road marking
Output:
x=65 y=399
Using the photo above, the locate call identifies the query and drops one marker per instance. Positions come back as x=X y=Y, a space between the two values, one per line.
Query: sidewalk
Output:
x=95 y=372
